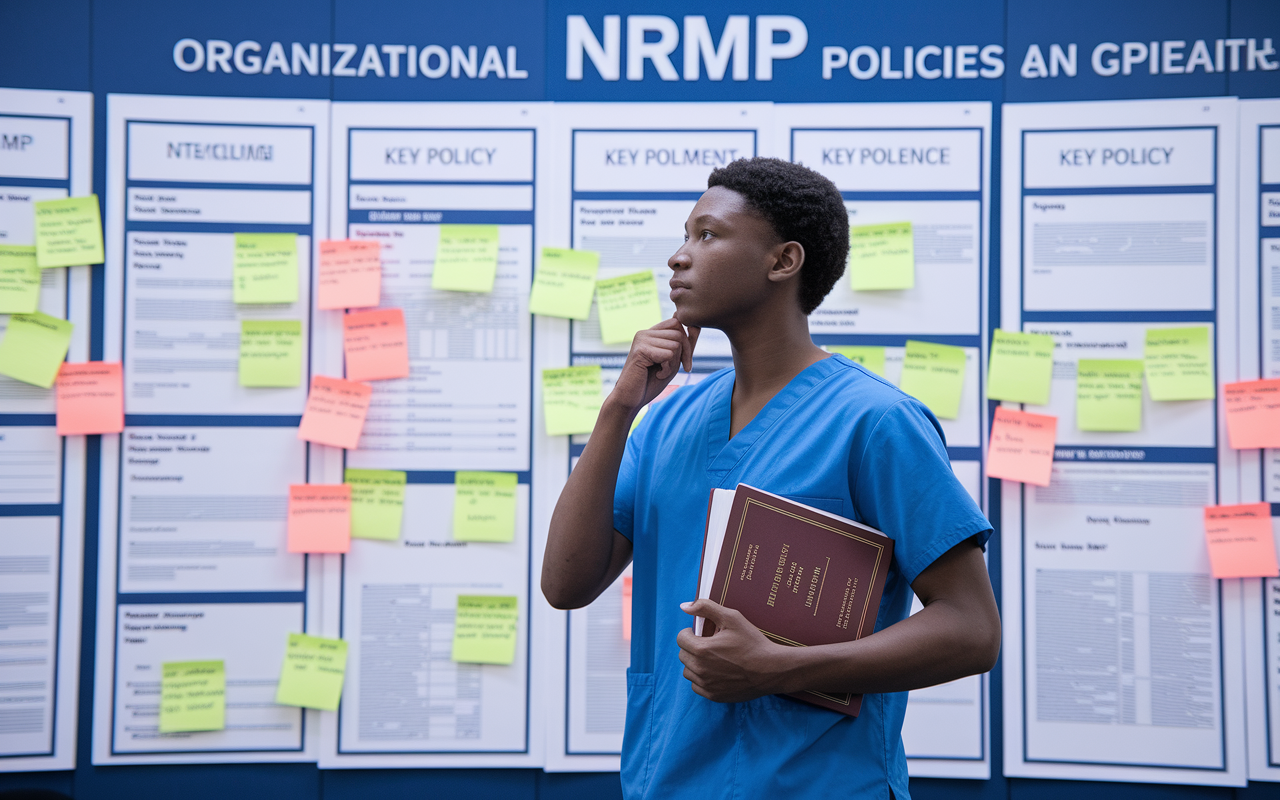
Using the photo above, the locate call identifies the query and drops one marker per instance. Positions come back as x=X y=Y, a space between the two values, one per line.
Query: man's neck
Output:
x=768 y=352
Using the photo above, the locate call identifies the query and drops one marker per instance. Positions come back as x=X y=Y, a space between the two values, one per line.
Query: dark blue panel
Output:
x=579 y=786
x=1023 y=789
x=1090 y=23
x=480 y=23
x=198 y=781
x=849 y=25
x=45 y=45
x=134 y=43
x=1257 y=20
x=469 y=784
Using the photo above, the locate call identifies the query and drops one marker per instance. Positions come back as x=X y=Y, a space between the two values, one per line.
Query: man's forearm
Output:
x=580 y=541
x=939 y=644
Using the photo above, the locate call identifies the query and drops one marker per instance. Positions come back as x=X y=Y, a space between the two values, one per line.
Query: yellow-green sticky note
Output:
x=377 y=503
x=312 y=673
x=627 y=304
x=265 y=268
x=484 y=629
x=68 y=232
x=466 y=258
x=193 y=696
x=33 y=348
x=870 y=357
x=934 y=375
x=571 y=399
x=19 y=279
x=1179 y=364
x=1109 y=395
x=270 y=352
x=1021 y=368
x=882 y=256
x=484 y=507
x=564 y=283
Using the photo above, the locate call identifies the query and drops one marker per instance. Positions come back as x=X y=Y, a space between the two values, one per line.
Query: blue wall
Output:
x=126 y=46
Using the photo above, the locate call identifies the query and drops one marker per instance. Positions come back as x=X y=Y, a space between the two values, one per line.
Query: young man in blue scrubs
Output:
x=763 y=246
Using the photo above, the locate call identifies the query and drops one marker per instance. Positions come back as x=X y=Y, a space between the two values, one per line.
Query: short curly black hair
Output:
x=802 y=206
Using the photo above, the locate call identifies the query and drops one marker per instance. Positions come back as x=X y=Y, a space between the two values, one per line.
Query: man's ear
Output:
x=788 y=259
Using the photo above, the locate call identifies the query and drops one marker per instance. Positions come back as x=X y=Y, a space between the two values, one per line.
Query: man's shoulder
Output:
x=853 y=385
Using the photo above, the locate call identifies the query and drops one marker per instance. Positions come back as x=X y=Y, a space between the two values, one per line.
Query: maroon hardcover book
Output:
x=802 y=576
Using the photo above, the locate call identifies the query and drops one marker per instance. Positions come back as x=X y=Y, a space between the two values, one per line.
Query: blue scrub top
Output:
x=837 y=438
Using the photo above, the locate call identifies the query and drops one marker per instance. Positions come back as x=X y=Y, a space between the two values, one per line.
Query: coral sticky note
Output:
x=335 y=412
x=1021 y=446
x=33 y=348
x=19 y=279
x=350 y=274
x=68 y=232
x=1253 y=413
x=376 y=344
x=312 y=673
x=1241 y=541
x=319 y=518
x=626 y=607
x=90 y=398
x=193 y=696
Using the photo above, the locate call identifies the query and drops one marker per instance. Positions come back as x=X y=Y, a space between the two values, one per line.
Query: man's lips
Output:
x=678 y=288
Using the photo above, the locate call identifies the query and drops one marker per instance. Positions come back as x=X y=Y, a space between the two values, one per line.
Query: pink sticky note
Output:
x=335 y=412
x=90 y=398
x=1022 y=446
x=376 y=344
x=1241 y=542
x=319 y=518
x=1253 y=413
x=350 y=274
x=626 y=606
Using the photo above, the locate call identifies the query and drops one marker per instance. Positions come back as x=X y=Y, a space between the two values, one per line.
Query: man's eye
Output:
x=706 y=234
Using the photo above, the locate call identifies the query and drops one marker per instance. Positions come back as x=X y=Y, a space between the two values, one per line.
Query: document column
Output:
x=633 y=182
x=928 y=165
x=402 y=173
x=1122 y=653
x=45 y=150
x=193 y=559
x=1260 y=359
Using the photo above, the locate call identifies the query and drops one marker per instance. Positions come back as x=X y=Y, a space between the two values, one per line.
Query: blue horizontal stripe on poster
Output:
x=428 y=217
x=31 y=510
x=1275 y=509
x=704 y=364
x=441 y=477
x=637 y=196
x=964 y=453
x=1119 y=316
x=1136 y=455
x=192 y=226
x=911 y=195
x=154 y=183
x=1201 y=189
x=894 y=339
x=210 y=421
x=1269 y=233
x=204 y=598
x=40 y=182
x=19 y=420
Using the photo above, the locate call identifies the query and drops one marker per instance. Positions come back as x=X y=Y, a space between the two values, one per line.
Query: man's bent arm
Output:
x=584 y=553
x=955 y=635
